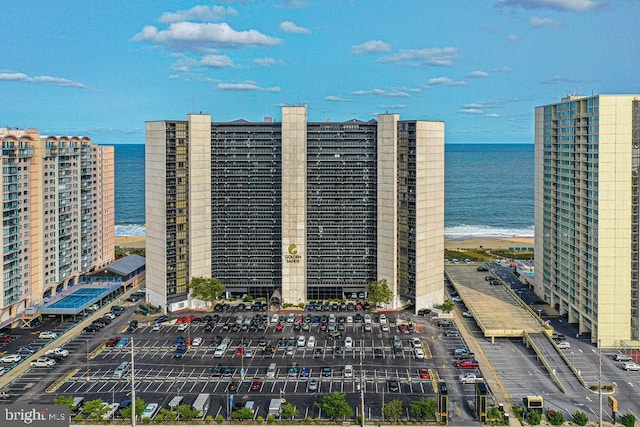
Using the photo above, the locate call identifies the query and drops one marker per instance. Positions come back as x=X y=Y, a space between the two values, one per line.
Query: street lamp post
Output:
x=600 y=381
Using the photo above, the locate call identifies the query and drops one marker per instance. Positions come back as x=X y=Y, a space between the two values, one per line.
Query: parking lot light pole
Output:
x=361 y=391
x=133 y=389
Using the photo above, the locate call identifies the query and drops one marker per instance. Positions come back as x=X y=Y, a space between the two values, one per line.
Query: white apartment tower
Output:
x=57 y=215
x=303 y=210
x=587 y=213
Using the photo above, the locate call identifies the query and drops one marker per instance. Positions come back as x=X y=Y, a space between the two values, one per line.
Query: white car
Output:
x=349 y=319
x=197 y=341
x=42 y=362
x=631 y=366
x=467 y=314
x=249 y=352
x=311 y=342
x=57 y=352
x=274 y=318
x=384 y=327
x=367 y=318
x=383 y=319
x=564 y=345
x=415 y=342
x=301 y=341
x=418 y=353
x=47 y=335
x=11 y=358
x=456 y=299
x=183 y=327
x=156 y=327
x=348 y=342
x=220 y=350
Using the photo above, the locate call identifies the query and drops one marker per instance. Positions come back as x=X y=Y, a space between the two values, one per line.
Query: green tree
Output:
x=95 y=409
x=628 y=420
x=289 y=411
x=448 y=305
x=187 y=413
x=379 y=292
x=140 y=407
x=64 y=400
x=243 y=413
x=335 y=405
x=393 y=409
x=580 y=418
x=166 y=415
x=207 y=290
x=423 y=409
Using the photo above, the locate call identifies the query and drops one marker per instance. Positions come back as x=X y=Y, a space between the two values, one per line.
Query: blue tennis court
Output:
x=79 y=300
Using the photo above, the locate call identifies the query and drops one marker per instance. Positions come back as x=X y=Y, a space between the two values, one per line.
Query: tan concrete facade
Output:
x=388 y=201
x=429 y=213
x=294 y=204
x=199 y=201
x=585 y=228
x=155 y=201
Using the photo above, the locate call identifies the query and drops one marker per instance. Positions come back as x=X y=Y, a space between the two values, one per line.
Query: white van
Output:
x=311 y=342
x=301 y=341
x=121 y=370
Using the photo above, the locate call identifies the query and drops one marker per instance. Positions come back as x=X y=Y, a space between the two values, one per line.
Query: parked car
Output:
x=467 y=363
x=42 y=362
x=123 y=342
x=111 y=342
x=622 y=357
x=48 y=335
x=57 y=352
x=564 y=345
x=424 y=373
x=312 y=384
x=631 y=366
x=393 y=385
x=10 y=358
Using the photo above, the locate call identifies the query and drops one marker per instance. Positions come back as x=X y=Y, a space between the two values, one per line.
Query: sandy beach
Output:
x=473 y=243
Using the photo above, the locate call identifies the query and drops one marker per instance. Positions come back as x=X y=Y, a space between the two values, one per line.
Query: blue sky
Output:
x=103 y=68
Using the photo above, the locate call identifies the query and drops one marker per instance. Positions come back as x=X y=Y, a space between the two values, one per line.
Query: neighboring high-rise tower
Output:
x=587 y=216
x=57 y=213
x=303 y=210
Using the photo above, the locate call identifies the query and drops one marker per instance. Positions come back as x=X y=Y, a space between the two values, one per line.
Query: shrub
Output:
x=556 y=418
x=208 y=418
x=271 y=419
x=219 y=418
x=580 y=418
x=247 y=298
x=533 y=417
x=494 y=413
x=259 y=420
x=628 y=420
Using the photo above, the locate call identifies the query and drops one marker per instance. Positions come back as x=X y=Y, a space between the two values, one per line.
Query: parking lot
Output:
x=229 y=358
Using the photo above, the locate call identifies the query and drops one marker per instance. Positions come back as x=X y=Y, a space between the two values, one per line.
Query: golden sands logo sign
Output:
x=292 y=257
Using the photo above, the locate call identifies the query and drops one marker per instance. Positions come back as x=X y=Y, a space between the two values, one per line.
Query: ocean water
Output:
x=488 y=190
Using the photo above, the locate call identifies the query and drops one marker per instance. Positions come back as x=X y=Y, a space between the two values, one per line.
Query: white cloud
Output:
x=198 y=13
x=492 y=115
x=217 y=61
x=55 y=81
x=559 y=5
x=471 y=111
x=503 y=70
x=336 y=99
x=542 y=22
x=247 y=85
x=203 y=37
x=445 y=81
x=265 y=62
x=293 y=4
x=382 y=92
x=371 y=46
x=290 y=27
x=430 y=56
x=560 y=79
x=478 y=74
x=512 y=38
x=392 y=107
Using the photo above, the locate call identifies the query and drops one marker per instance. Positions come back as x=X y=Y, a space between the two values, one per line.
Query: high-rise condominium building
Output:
x=302 y=210
x=57 y=215
x=587 y=213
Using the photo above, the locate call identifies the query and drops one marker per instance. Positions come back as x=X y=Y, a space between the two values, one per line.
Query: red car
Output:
x=279 y=327
x=185 y=319
x=239 y=351
x=112 y=341
x=424 y=373
x=467 y=363
x=5 y=338
x=256 y=384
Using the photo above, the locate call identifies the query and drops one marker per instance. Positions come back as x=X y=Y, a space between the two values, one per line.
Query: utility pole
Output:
x=133 y=389
x=361 y=390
